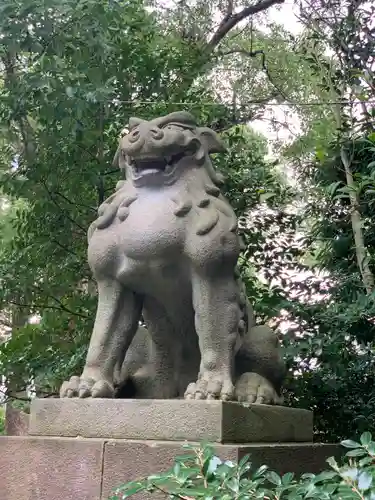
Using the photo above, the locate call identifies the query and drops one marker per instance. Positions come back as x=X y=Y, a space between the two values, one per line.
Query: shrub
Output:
x=201 y=474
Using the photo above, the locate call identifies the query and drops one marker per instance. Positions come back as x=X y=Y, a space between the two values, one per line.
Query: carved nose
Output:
x=156 y=133
x=134 y=135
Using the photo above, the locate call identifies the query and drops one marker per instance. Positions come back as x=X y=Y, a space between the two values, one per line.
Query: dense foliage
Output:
x=204 y=475
x=339 y=328
x=336 y=352
x=72 y=73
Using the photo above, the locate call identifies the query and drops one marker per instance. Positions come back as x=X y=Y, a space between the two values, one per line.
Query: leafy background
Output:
x=72 y=73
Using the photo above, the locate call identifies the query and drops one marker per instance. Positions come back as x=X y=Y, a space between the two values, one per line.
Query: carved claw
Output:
x=253 y=388
x=211 y=386
x=86 y=388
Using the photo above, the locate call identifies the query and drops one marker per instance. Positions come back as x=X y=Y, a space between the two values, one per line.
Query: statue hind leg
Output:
x=260 y=369
x=137 y=357
x=151 y=369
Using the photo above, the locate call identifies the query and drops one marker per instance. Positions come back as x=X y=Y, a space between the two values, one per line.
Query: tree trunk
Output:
x=14 y=385
x=360 y=247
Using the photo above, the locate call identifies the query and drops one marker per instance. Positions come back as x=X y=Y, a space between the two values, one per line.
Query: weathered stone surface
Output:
x=171 y=420
x=125 y=460
x=164 y=247
x=50 y=469
x=16 y=421
x=141 y=459
x=36 y=468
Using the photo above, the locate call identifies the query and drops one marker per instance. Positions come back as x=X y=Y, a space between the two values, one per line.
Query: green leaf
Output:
x=287 y=478
x=371 y=448
x=266 y=196
x=260 y=472
x=244 y=460
x=325 y=476
x=350 y=473
x=69 y=91
x=348 y=443
x=359 y=452
x=210 y=465
x=129 y=490
x=273 y=478
x=332 y=462
x=332 y=188
x=185 y=458
x=177 y=469
x=320 y=154
x=366 y=438
x=364 y=480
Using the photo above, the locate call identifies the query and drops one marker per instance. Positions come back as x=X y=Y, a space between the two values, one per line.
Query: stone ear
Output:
x=119 y=160
x=116 y=158
x=116 y=162
x=211 y=140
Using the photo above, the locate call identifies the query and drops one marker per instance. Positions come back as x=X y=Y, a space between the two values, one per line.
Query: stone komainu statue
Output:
x=165 y=247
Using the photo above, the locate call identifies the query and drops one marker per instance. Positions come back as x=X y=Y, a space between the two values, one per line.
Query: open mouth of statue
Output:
x=146 y=166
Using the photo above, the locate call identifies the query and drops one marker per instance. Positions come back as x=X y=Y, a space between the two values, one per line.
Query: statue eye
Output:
x=172 y=126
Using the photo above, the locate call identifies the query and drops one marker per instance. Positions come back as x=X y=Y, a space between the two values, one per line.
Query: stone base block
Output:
x=50 y=469
x=138 y=459
x=36 y=468
x=170 y=420
x=16 y=421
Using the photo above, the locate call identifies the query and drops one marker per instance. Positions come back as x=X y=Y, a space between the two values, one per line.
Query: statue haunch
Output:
x=164 y=247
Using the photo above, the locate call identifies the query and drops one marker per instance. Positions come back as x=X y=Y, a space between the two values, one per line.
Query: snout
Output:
x=143 y=134
x=148 y=140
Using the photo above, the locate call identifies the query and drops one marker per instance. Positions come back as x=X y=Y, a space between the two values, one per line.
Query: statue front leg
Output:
x=116 y=323
x=217 y=314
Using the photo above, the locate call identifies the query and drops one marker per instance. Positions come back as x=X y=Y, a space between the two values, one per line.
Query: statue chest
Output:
x=151 y=229
x=149 y=232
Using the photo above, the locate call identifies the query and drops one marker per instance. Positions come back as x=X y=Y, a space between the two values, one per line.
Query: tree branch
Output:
x=264 y=68
x=231 y=20
x=73 y=202
x=64 y=247
x=46 y=306
x=229 y=9
x=9 y=395
x=240 y=120
x=53 y=199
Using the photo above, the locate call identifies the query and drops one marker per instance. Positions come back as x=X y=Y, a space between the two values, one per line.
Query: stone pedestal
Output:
x=16 y=421
x=170 y=420
x=85 y=448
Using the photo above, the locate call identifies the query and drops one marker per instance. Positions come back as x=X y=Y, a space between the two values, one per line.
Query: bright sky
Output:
x=284 y=14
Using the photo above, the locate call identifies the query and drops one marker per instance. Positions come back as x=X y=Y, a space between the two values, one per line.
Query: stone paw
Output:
x=253 y=388
x=86 y=388
x=211 y=386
